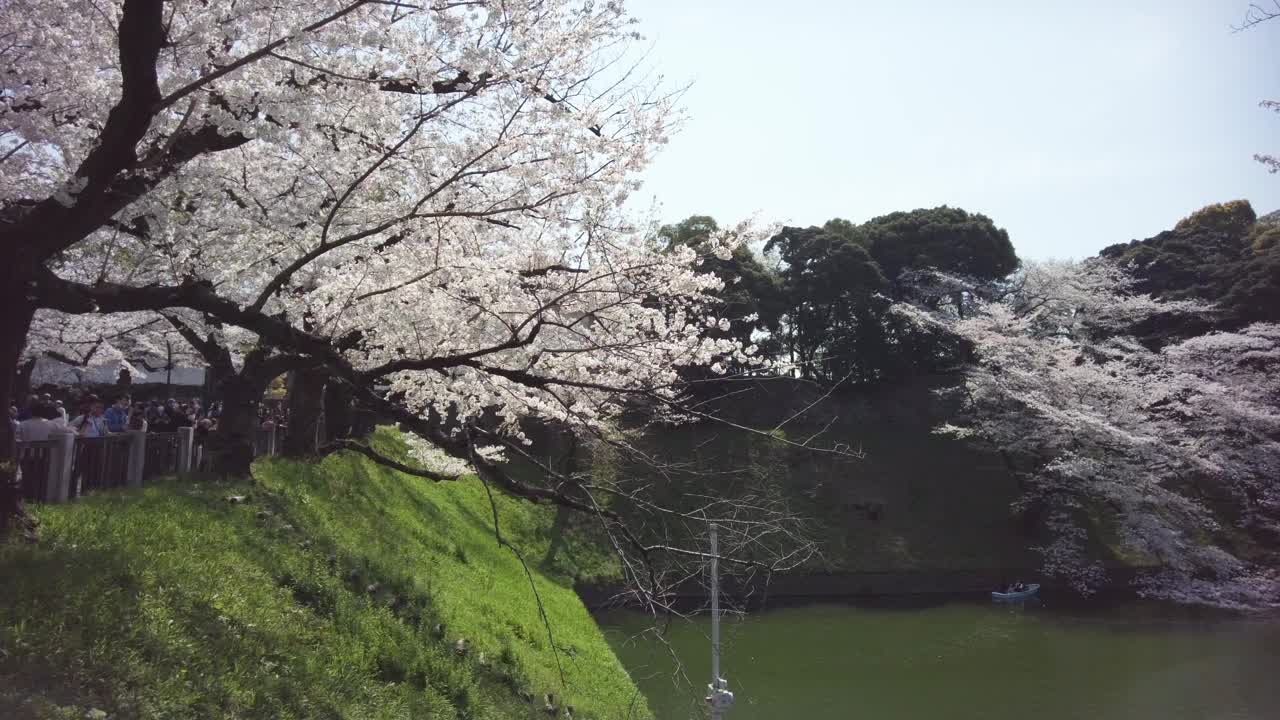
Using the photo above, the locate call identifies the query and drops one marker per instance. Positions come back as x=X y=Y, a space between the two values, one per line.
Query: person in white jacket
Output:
x=37 y=427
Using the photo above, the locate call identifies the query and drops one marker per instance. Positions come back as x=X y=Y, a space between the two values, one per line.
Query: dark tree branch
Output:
x=1258 y=14
x=49 y=226
x=379 y=458
x=448 y=361
x=111 y=173
x=502 y=542
x=542 y=271
x=208 y=348
x=252 y=57
x=460 y=84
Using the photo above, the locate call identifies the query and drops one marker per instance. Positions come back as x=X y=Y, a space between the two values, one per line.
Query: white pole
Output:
x=715 y=613
x=719 y=699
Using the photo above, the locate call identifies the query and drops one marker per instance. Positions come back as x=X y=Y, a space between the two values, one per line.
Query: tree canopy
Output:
x=750 y=297
x=940 y=238
x=423 y=202
x=1162 y=457
x=841 y=279
x=1222 y=253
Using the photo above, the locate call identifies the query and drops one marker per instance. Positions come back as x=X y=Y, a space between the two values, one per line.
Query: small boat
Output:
x=1027 y=592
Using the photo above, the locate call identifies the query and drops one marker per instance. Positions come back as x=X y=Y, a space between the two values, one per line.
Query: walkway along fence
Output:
x=66 y=466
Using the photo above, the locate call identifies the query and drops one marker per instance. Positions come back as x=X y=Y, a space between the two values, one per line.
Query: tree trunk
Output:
x=234 y=439
x=306 y=411
x=216 y=377
x=15 y=321
x=339 y=419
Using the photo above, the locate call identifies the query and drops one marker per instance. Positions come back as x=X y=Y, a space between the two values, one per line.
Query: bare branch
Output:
x=502 y=542
x=1257 y=14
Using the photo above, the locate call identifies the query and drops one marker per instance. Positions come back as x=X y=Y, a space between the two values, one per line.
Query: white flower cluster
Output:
x=441 y=183
x=1126 y=440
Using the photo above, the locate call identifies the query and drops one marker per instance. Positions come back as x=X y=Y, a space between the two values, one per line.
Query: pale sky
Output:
x=1073 y=124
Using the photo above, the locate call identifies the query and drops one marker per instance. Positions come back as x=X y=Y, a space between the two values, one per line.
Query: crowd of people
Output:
x=42 y=414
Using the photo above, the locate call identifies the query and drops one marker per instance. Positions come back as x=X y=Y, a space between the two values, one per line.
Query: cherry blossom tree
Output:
x=1167 y=458
x=261 y=157
x=420 y=200
x=1257 y=14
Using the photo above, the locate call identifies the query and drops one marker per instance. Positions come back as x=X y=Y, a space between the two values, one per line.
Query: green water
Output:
x=964 y=661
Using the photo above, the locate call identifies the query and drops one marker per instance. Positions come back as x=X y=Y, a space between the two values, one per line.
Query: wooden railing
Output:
x=161 y=456
x=264 y=441
x=33 y=460
x=66 y=466
x=100 y=463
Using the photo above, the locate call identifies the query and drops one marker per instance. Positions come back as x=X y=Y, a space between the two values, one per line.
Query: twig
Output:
x=502 y=542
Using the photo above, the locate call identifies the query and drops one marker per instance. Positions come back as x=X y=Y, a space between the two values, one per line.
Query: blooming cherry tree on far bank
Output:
x=1168 y=458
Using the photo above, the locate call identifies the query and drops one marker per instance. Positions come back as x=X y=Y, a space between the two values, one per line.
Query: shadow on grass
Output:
x=87 y=628
x=558 y=528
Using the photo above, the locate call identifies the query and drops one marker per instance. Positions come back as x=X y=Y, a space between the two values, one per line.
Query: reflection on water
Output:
x=965 y=661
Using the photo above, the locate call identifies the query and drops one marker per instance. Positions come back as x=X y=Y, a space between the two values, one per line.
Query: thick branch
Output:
x=383 y=460
x=111 y=174
x=50 y=226
x=43 y=230
x=449 y=361
x=78 y=298
x=208 y=348
x=539 y=272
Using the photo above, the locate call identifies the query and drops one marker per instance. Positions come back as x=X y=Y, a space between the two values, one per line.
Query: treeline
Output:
x=1223 y=253
x=820 y=300
x=1077 y=411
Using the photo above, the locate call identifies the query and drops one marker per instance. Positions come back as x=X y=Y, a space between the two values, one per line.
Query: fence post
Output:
x=186 y=440
x=137 y=457
x=62 y=448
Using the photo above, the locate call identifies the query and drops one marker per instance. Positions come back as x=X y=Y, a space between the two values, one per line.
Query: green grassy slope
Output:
x=320 y=597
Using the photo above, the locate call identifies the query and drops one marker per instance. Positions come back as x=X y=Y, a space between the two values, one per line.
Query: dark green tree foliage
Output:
x=941 y=238
x=835 y=303
x=843 y=228
x=1222 y=253
x=1254 y=295
x=1265 y=233
x=750 y=289
x=841 y=279
x=1231 y=218
x=828 y=308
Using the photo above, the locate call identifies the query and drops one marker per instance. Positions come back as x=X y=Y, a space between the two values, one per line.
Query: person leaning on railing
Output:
x=137 y=417
x=90 y=423
x=55 y=406
x=117 y=416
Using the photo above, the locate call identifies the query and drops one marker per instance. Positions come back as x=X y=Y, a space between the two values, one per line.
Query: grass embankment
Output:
x=319 y=597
